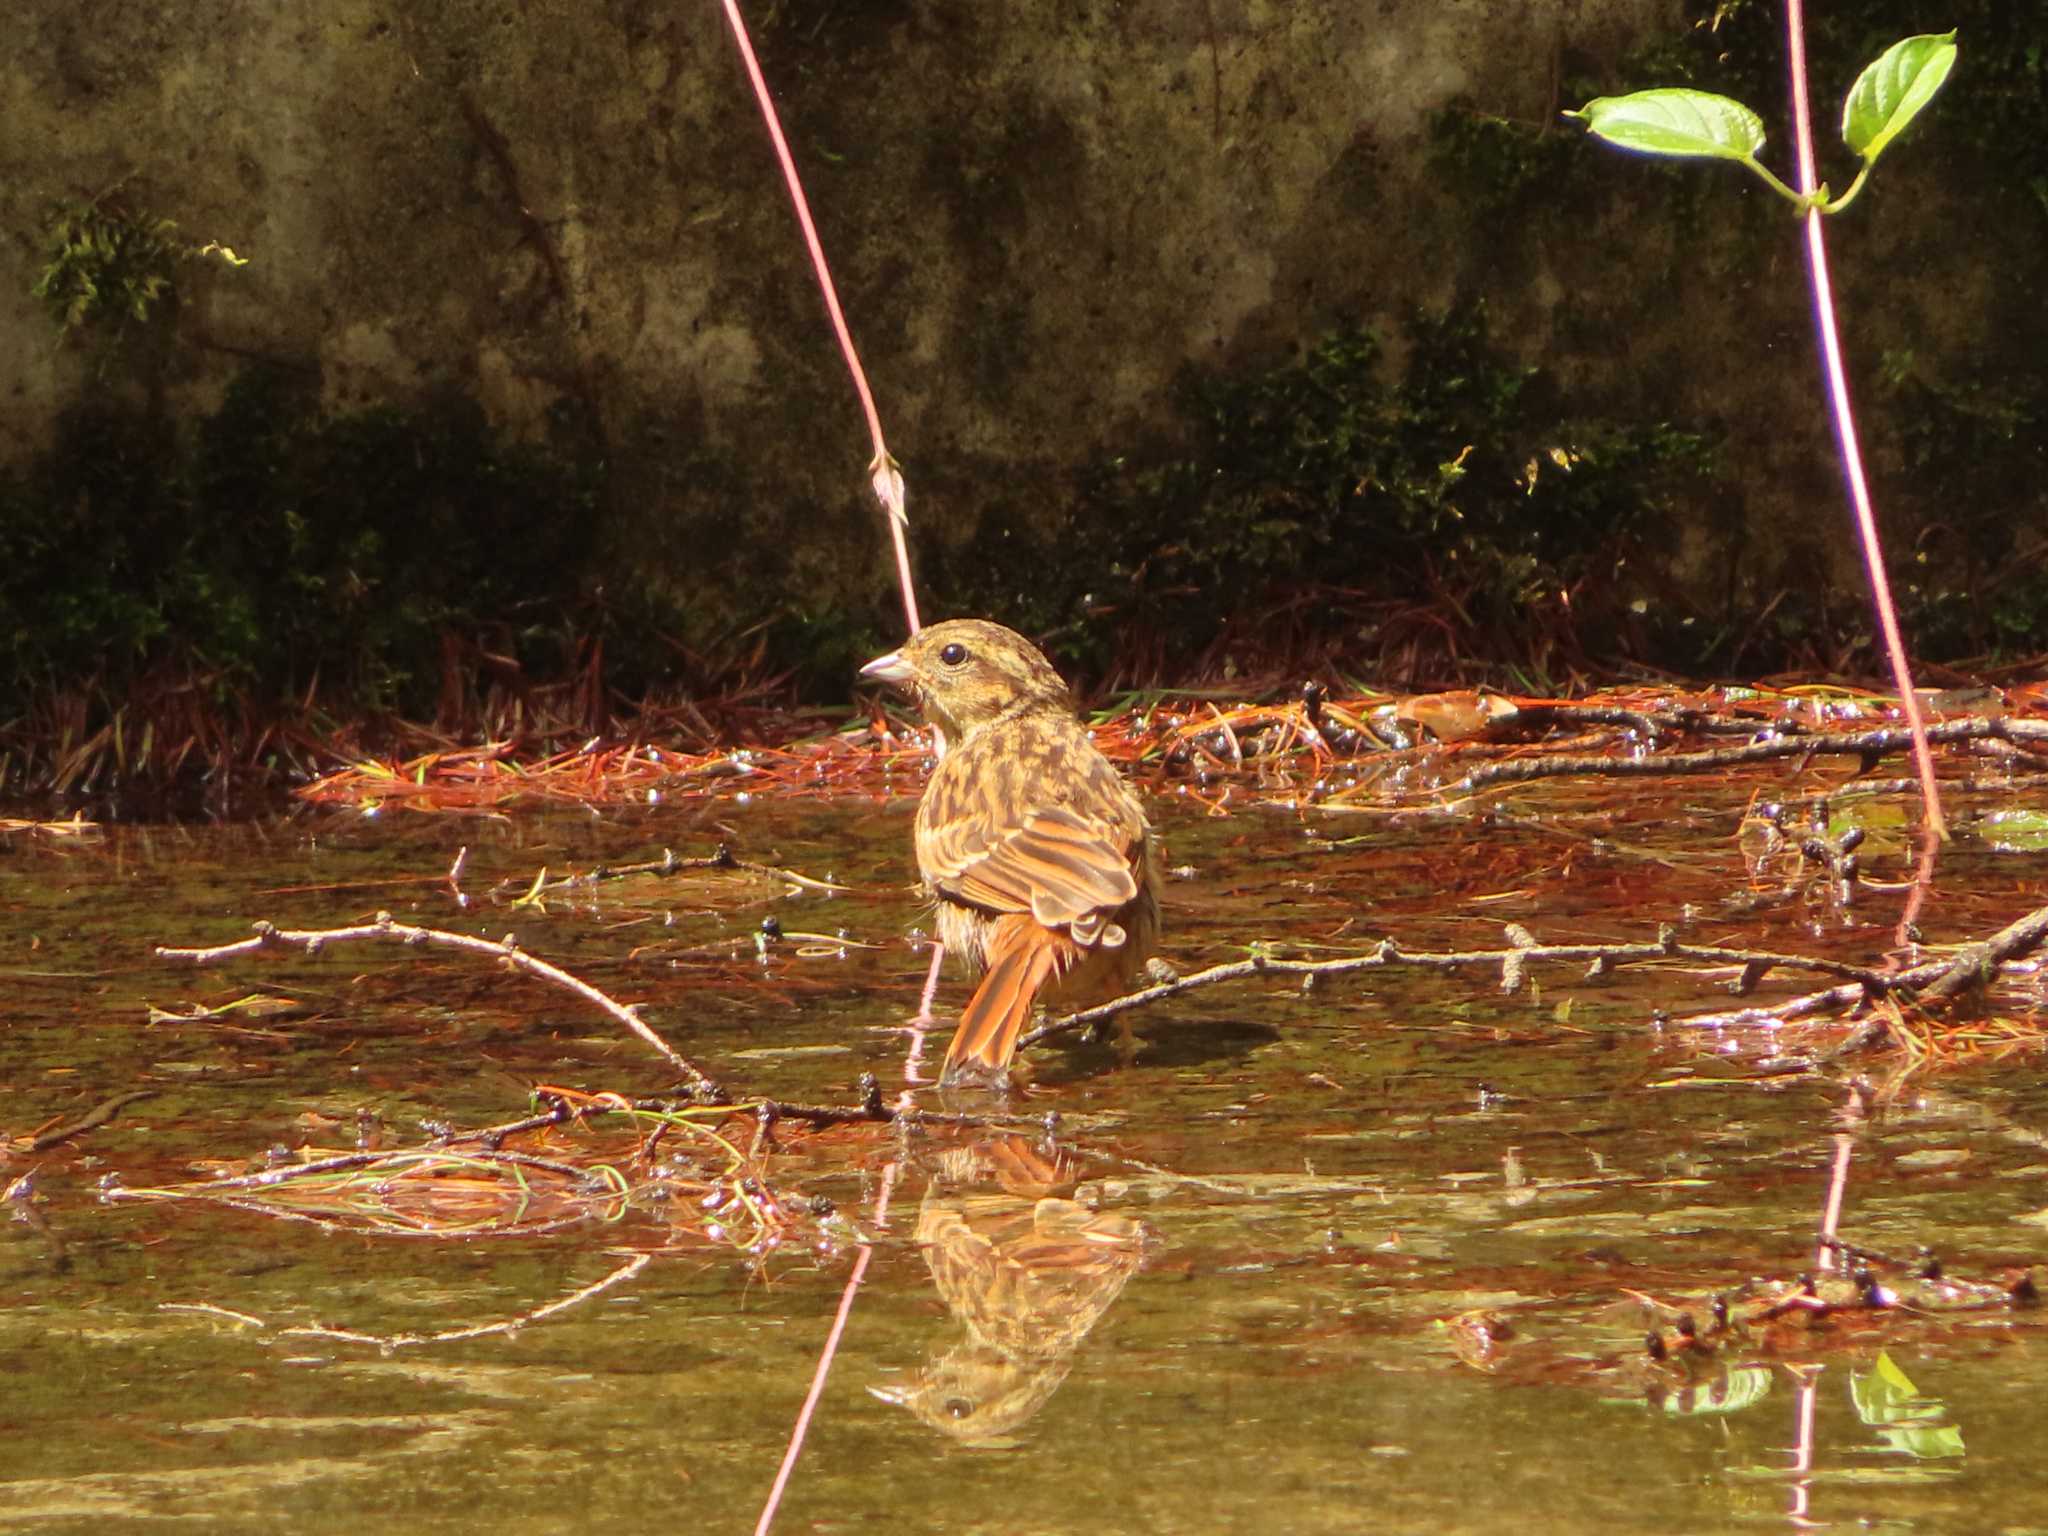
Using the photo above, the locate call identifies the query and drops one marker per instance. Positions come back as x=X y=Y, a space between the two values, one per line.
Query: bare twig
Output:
x=1931 y=981
x=506 y=950
x=1753 y=965
x=1978 y=963
x=1869 y=745
x=668 y=864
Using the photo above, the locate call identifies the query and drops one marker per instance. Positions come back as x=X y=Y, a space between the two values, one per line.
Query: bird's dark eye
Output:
x=953 y=654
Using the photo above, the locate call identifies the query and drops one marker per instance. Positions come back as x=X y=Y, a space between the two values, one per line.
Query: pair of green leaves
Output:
x=1700 y=125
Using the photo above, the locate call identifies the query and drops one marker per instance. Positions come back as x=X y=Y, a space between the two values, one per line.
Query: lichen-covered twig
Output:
x=1930 y=981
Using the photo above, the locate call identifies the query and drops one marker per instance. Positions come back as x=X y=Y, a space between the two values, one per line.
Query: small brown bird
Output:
x=1038 y=856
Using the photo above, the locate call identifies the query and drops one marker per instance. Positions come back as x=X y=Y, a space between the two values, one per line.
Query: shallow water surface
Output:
x=1380 y=1254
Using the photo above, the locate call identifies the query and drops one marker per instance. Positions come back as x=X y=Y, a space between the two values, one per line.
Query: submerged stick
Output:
x=506 y=950
x=92 y=1120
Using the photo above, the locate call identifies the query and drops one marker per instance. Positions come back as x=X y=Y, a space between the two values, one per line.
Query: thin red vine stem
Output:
x=1845 y=424
x=878 y=1219
x=884 y=475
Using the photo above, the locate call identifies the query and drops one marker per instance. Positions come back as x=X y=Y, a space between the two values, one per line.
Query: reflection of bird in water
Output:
x=1026 y=1273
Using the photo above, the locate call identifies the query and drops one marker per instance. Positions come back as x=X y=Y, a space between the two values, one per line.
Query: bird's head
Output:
x=967 y=672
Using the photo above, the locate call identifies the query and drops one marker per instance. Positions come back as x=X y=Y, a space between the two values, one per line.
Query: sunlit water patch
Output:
x=1383 y=1252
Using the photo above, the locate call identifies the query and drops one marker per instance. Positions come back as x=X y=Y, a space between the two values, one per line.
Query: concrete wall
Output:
x=1037 y=211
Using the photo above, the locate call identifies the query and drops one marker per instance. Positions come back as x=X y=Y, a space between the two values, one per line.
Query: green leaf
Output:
x=1890 y=93
x=1884 y=1394
x=1938 y=1442
x=1887 y=1400
x=2016 y=831
x=1696 y=124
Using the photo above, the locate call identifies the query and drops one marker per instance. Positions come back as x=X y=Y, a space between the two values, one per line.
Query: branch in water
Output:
x=1931 y=981
x=506 y=951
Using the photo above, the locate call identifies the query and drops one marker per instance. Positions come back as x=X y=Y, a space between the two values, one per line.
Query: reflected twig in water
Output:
x=874 y=1109
x=468 y=1184
x=75 y=826
x=20 y=1195
x=417 y=1193
x=388 y=1342
x=1851 y=1117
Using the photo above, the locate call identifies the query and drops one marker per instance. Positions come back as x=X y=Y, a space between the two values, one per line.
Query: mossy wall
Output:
x=1045 y=218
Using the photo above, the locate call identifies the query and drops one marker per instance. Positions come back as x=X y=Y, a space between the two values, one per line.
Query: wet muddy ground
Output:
x=1378 y=1254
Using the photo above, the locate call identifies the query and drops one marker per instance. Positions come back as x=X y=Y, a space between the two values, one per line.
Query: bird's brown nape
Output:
x=1038 y=856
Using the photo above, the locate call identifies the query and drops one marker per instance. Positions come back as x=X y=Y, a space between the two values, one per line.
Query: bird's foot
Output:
x=973 y=1075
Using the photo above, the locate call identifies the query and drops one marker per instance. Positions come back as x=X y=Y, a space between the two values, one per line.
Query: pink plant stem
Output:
x=1904 y=937
x=825 y=1356
x=1831 y=1214
x=803 y=1418
x=1847 y=1120
x=931 y=985
x=1845 y=425
x=887 y=482
x=1808 y=1379
x=913 y=1059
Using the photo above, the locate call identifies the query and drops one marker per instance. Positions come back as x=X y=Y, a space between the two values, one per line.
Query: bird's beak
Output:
x=891 y=668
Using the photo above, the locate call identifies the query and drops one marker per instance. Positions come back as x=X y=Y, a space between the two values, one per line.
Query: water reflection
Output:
x=1026 y=1270
x=1338 y=1172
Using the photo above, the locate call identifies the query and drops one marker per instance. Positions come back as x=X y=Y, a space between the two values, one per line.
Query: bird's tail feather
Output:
x=1023 y=956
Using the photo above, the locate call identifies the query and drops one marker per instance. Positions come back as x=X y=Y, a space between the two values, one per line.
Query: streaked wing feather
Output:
x=1059 y=866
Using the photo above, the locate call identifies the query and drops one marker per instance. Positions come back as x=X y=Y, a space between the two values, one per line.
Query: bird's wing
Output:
x=1057 y=864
